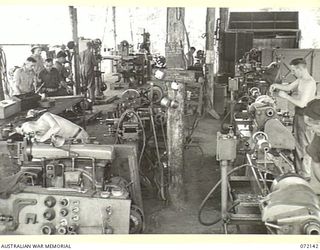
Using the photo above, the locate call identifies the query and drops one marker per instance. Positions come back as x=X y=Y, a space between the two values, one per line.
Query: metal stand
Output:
x=224 y=193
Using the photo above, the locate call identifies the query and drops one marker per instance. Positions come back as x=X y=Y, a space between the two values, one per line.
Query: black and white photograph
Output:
x=159 y=120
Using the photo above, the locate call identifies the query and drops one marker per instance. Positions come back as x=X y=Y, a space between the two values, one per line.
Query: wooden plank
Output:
x=264 y=30
x=287 y=42
x=246 y=219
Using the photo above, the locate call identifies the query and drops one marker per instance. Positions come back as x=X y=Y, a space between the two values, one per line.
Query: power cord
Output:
x=211 y=192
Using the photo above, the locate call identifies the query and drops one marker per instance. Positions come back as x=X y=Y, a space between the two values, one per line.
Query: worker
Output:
x=60 y=66
x=87 y=64
x=305 y=86
x=36 y=54
x=50 y=126
x=50 y=80
x=24 y=79
x=189 y=57
x=312 y=119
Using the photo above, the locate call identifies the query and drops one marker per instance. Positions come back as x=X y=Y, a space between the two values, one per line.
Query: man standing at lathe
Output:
x=305 y=86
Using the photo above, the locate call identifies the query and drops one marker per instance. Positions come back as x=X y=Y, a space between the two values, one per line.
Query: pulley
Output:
x=136 y=220
x=261 y=141
x=103 y=87
x=131 y=98
x=156 y=92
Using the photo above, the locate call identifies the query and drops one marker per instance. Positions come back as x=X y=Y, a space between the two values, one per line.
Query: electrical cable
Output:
x=164 y=135
x=210 y=193
x=224 y=118
x=124 y=114
x=193 y=128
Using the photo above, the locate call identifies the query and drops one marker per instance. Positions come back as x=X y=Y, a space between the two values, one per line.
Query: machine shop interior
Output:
x=144 y=120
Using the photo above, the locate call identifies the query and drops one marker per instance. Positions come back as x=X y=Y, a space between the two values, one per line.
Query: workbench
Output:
x=61 y=104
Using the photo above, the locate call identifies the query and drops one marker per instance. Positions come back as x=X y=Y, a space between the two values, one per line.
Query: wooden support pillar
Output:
x=175 y=134
x=224 y=17
x=76 y=63
x=175 y=38
x=175 y=122
x=210 y=61
x=1 y=86
x=114 y=27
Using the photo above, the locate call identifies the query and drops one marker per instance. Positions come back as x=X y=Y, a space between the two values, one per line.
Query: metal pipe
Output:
x=224 y=188
x=158 y=155
x=254 y=173
x=231 y=106
x=93 y=173
x=265 y=189
x=72 y=163
x=287 y=161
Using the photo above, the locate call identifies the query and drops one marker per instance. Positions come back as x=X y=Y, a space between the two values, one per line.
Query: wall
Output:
x=51 y=24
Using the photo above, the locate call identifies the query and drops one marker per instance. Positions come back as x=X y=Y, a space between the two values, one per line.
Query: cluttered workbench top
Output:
x=15 y=113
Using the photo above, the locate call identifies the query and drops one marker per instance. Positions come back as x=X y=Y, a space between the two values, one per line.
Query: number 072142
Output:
x=309 y=246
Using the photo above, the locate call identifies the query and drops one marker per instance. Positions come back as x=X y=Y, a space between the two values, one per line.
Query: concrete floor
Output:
x=201 y=173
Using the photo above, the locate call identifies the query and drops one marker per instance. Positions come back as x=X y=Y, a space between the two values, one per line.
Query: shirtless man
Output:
x=50 y=126
x=189 y=57
x=306 y=88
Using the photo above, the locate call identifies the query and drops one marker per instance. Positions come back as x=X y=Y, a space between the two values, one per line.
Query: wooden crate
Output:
x=8 y=108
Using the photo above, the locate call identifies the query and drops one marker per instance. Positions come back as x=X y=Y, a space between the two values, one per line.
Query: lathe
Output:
x=78 y=188
x=259 y=181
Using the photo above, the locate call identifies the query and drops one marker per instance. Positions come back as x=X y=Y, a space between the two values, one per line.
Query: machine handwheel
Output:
x=136 y=220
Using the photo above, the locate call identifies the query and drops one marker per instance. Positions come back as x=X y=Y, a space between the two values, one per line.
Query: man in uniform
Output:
x=305 y=86
x=36 y=54
x=24 y=79
x=50 y=80
x=59 y=65
x=87 y=64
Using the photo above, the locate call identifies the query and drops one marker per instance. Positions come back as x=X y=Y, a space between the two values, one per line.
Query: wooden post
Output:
x=76 y=63
x=114 y=27
x=1 y=85
x=175 y=38
x=210 y=60
x=224 y=16
x=175 y=134
x=175 y=121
